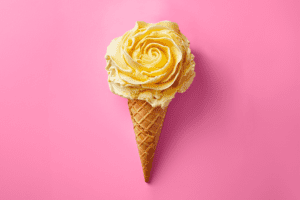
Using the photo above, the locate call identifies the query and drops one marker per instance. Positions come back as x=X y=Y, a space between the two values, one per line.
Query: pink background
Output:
x=233 y=135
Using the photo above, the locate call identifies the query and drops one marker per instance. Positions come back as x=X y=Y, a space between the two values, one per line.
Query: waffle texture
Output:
x=147 y=125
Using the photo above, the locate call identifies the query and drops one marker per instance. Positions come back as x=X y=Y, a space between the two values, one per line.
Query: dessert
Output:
x=148 y=65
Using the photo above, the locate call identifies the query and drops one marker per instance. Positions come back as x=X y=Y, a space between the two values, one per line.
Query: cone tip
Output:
x=147 y=179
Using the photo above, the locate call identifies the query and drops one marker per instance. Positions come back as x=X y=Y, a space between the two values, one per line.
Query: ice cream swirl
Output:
x=151 y=62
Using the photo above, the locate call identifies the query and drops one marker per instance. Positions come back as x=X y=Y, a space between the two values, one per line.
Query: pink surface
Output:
x=233 y=135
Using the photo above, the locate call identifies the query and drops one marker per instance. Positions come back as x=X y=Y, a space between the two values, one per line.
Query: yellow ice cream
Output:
x=151 y=62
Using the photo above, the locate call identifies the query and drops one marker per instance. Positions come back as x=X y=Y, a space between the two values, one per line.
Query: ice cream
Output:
x=151 y=62
x=148 y=65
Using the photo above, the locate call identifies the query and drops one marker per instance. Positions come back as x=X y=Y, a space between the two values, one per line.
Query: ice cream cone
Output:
x=147 y=124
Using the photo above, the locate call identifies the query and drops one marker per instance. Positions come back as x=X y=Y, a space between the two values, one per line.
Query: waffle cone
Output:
x=147 y=125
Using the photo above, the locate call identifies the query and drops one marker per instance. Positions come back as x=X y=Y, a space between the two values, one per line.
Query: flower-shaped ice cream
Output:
x=151 y=62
